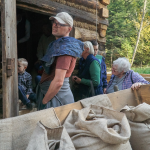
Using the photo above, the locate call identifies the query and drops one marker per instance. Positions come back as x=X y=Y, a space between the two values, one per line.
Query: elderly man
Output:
x=89 y=73
x=58 y=63
x=124 y=78
x=103 y=79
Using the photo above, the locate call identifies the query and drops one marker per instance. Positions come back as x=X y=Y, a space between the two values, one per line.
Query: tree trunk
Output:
x=138 y=37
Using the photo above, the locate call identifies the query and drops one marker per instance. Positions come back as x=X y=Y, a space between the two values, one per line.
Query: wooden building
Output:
x=89 y=23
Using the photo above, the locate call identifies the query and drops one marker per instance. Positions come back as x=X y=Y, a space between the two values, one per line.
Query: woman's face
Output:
x=114 y=70
x=86 y=50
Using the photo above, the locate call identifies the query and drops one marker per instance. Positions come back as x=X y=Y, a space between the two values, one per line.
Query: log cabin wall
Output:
x=83 y=13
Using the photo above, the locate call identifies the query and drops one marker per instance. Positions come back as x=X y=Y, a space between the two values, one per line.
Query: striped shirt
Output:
x=25 y=81
x=131 y=77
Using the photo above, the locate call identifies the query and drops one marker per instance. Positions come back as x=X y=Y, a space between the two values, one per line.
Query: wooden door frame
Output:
x=9 y=59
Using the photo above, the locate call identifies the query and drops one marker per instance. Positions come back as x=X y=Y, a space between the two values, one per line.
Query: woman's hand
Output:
x=76 y=79
x=136 y=86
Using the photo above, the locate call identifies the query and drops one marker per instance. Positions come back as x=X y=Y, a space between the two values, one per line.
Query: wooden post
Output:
x=9 y=58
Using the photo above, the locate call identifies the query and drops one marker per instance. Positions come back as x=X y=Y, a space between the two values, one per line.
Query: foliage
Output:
x=145 y=70
x=124 y=22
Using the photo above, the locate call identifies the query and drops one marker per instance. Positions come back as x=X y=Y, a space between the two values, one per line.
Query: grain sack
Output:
x=45 y=138
x=96 y=128
x=139 y=120
x=102 y=100
x=15 y=132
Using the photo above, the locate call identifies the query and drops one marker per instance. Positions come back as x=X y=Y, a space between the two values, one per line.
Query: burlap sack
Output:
x=102 y=100
x=15 y=132
x=139 y=120
x=96 y=128
x=45 y=138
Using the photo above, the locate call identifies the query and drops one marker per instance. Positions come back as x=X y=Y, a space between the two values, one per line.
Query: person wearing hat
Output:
x=58 y=63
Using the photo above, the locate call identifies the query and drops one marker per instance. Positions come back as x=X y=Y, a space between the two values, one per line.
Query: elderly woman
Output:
x=89 y=73
x=124 y=78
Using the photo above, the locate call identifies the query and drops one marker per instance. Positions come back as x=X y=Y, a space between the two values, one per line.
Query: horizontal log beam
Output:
x=72 y=11
x=105 y=2
x=87 y=3
x=87 y=35
x=35 y=9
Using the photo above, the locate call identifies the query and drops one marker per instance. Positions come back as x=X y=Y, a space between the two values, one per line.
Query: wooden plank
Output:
x=145 y=75
x=9 y=50
x=88 y=35
x=63 y=111
x=147 y=78
x=143 y=93
x=72 y=11
x=104 y=13
x=121 y=98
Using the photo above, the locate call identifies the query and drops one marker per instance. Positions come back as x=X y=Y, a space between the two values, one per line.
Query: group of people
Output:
x=53 y=89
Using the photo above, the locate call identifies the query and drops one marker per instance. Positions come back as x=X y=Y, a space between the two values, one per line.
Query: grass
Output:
x=145 y=70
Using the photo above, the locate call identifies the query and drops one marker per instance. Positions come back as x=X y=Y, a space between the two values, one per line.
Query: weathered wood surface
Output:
x=102 y=33
x=89 y=3
x=105 y=2
x=87 y=35
x=144 y=94
x=72 y=11
x=104 y=13
x=9 y=50
x=102 y=26
x=44 y=10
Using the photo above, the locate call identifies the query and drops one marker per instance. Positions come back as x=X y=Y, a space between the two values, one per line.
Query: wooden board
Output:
x=121 y=98
x=9 y=50
x=60 y=7
x=144 y=94
x=104 y=13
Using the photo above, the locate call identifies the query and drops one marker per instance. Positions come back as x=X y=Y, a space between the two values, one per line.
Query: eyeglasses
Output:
x=58 y=25
x=115 y=70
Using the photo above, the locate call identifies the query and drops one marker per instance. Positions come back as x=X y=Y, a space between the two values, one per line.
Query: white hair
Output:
x=23 y=61
x=122 y=64
x=88 y=44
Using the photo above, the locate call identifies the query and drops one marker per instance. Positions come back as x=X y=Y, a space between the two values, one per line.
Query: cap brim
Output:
x=58 y=19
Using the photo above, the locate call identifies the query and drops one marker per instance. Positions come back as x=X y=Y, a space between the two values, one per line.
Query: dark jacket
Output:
x=21 y=29
x=84 y=66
